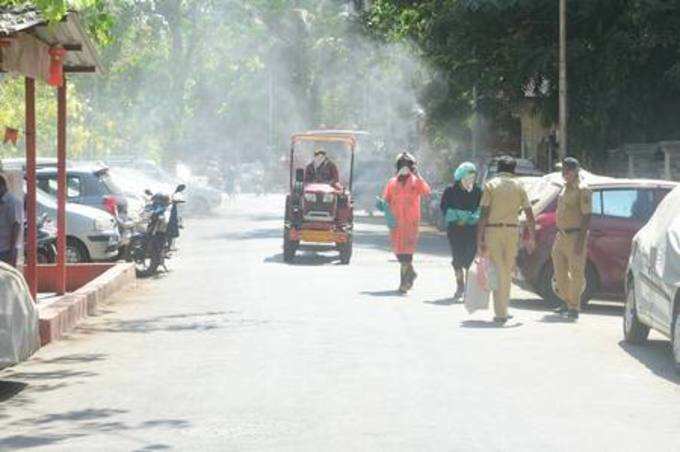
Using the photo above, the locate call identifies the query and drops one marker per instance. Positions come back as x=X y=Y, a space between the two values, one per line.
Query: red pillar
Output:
x=61 y=189
x=30 y=271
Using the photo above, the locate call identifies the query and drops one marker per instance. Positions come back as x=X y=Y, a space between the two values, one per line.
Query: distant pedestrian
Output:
x=11 y=220
x=574 y=210
x=402 y=194
x=460 y=209
x=497 y=233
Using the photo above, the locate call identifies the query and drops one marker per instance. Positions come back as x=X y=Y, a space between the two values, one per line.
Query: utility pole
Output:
x=564 y=115
x=474 y=122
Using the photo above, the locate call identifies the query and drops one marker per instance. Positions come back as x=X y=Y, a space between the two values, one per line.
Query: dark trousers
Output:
x=405 y=258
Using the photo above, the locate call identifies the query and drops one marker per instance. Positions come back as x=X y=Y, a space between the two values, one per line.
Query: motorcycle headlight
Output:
x=310 y=197
x=328 y=198
x=102 y=224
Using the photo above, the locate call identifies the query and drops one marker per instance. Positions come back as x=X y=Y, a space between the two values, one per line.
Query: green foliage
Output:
x=622 y=54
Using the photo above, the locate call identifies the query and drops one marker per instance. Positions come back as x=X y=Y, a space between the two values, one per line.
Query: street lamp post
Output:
x=563 y=80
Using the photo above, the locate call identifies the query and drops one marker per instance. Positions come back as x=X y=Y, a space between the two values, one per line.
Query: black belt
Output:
x=569 y=230
x=501 y=225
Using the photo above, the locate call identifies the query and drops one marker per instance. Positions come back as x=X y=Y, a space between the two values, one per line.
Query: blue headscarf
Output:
x=463 y=170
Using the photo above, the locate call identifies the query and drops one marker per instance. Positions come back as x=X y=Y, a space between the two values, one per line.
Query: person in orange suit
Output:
x=402 y=194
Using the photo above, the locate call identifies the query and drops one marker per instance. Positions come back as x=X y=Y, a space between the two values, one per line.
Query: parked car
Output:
x=91 y=234
x=653 y=278
x=92 y=185
x=199 y=198
x=620 y=208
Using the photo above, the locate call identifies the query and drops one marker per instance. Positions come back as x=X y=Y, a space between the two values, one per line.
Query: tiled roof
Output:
x=18 y=18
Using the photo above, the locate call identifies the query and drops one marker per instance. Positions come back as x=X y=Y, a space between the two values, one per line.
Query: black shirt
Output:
x=456 y=197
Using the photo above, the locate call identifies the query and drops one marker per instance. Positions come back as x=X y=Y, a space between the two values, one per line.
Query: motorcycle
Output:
x=47 y=239
x=149 y=249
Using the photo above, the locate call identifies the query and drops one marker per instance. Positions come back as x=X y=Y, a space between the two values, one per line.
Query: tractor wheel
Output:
x=289 y=248
x=346 y=252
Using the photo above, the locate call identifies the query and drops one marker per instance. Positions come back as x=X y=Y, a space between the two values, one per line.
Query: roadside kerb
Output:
x=62 y=315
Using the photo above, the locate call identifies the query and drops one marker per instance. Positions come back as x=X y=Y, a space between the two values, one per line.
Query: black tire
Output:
x=634 y=331
x=148 y=260
x=346 y=252
x=289 y=248
x=47 y=254
x=199 y=206
x=76 y=252
x=547 y=291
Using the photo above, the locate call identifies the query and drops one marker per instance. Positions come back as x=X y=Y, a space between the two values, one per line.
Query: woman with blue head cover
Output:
x=460 y=208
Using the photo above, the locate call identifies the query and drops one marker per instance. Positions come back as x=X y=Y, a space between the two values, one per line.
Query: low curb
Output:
x=62 y=315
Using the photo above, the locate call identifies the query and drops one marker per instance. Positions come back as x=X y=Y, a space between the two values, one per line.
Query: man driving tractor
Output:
x=321 y=170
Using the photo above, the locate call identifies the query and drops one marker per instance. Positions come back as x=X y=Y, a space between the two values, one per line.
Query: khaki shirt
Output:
x=504 y=197
x=574 y=202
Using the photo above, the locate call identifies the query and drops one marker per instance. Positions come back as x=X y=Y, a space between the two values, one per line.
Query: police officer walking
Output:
x=574 y=209
x=497 y=232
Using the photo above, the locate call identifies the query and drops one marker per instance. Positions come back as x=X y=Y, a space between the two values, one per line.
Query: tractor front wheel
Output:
x=289 y=247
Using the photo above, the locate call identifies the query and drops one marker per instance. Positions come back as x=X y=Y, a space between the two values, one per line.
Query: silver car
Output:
x=91 y=234
x=653 y=278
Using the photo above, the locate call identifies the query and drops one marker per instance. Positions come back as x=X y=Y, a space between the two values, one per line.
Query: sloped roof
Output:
x=69 y=32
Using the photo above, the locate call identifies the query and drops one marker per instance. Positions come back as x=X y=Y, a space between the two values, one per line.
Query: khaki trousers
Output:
x=570 y=275
x=502 y=244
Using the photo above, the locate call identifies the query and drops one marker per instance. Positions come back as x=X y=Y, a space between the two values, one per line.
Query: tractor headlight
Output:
x=328 y=198
x=310 y=197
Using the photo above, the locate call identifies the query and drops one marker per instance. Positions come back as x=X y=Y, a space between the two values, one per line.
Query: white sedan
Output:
x=653 y=283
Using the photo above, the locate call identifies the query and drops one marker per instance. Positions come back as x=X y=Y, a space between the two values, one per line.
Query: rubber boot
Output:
x=403 y=278
x=411 y=276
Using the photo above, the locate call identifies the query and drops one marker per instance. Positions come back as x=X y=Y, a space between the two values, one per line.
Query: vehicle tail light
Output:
x=111 y=205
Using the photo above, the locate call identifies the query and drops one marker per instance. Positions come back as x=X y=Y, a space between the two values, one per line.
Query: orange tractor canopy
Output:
x=320 y=213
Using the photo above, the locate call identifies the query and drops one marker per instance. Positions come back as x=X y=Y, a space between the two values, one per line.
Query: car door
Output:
x=660 y=294
x=623 y=212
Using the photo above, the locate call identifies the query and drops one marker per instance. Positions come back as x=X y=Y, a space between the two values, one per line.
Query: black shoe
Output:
x=572 y=314
x=561 y=309
x=500 y=320
x=458 y=296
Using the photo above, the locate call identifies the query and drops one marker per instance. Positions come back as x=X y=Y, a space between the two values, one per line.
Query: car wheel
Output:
x=675 y=343
x=200 y=206
x=546 y=286
x=76 y=253
x=634 y=331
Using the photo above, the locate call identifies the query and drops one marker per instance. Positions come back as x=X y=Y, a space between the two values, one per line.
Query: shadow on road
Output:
x=256 y=234
x=55 y=428
x=486 y=324
x=9 y=389
x=444 y=302
x=556 y=318
x=657 y=356
x=202 y=321
x=539 y=305
x=384 y=293
x=305 y=259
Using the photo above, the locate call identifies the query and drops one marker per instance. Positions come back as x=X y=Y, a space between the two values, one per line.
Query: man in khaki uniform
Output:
x=498 y=234
x=574 y=209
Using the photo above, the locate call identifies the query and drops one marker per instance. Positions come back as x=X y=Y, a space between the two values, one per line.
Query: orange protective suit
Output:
x=404 y=200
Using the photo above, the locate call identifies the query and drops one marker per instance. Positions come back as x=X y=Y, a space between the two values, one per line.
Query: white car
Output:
x=91 y=234
x=653 y=278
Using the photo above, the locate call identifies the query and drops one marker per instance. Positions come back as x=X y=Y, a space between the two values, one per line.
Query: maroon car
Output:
x=620 y=208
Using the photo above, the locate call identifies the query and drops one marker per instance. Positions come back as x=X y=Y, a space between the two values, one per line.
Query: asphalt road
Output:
x=234 y=350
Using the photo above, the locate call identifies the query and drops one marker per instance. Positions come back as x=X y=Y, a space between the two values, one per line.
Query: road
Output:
x=234 y=350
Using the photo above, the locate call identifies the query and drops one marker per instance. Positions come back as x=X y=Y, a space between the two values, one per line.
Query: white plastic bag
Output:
x=19 y=334
x=477 y=290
